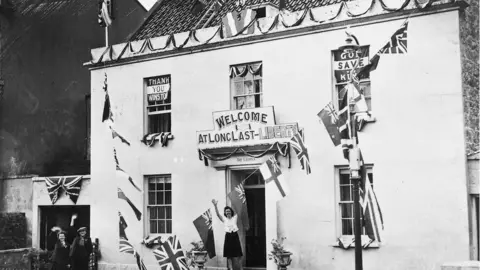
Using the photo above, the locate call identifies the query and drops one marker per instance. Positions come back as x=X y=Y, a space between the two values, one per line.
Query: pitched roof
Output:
x=175 y=16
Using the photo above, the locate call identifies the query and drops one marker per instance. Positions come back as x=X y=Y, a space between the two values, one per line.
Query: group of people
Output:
x=75 y=255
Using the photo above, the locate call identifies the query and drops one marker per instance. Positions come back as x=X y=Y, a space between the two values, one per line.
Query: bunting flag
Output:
x=126 y=247
x=104 y=13
x=107 y=110
x=372 y=215
x=123 y=225
x=298 y=144
x=115 y=134
x=237 y=22
x=239 y=204
x=70 y=184
x=203 y=224
x=346 y=243
x=122 y=196
x=272 y=174
x=121 y=172
x=329 y=117
x=170 y=255
x=151 y=138
x=396 y=45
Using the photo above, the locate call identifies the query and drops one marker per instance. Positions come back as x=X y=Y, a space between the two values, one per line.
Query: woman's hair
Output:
x=231 y=210
x=61 y=232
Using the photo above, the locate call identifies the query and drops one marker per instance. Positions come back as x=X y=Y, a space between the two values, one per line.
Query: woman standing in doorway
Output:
x=232 y=249
x=60 y=256
x=81 y=249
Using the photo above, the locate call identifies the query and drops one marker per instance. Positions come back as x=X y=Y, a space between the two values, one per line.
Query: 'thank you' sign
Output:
x=246 y=127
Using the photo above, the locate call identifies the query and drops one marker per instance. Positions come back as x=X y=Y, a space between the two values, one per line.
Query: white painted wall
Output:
x=417 y=145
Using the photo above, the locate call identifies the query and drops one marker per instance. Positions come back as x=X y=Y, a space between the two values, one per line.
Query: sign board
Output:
x=245 y=127
x=344 y=61
x=158 y=88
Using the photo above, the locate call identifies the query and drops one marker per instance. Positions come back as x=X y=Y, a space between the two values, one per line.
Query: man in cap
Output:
x=80 y=250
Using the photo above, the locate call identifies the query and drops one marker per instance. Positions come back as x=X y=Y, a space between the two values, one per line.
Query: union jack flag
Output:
x=121 y=172
x=71 y=185
x=203 y=224
x=298 y=143
x=170 y=255
x=398 y=42
x=126 y=247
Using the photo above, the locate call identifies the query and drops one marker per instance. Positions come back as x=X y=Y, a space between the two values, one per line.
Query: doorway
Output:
x=254 y=239
x=61 y=216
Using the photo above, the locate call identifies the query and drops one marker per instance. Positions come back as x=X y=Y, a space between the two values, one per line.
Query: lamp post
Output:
x=354 y=161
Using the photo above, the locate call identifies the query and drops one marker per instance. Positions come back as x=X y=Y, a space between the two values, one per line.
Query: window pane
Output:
x=161 y=226
x=248 y=87
x=161 y=212
x=168 y=186
x=345 y=194
x=151 y=198
x=160 y=198
x=347 y=210
x=168 y=197
x=370 y=177
x=344 y=179
x=240 y=103
x=347 y=227
x=153 y=226
x=238 y=88
x=159 y=123
x=153 y=212
x=169 y=226
x=151 y=185
x=160 y=186
x=168 y=210
x=258 y=86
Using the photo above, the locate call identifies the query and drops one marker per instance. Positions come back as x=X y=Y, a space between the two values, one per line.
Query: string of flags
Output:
x=231 y=29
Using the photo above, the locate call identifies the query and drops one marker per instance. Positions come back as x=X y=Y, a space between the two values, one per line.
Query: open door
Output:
x=253 y=241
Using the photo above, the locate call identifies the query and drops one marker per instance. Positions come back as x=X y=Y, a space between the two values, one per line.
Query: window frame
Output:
x=147 y=231
x=367 y=116
x=232 y=89
x=146 y=113
x=338 y=211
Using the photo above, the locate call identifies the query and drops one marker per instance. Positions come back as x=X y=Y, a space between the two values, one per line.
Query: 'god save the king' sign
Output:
x=245 y=127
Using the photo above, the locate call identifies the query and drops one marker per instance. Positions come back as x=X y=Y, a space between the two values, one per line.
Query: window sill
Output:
x=367 y=117
x=155 y=239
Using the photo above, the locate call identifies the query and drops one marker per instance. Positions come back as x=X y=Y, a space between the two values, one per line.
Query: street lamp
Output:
x=354 y=157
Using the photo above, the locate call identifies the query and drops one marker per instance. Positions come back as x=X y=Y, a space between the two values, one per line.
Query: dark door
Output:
x=256 y=235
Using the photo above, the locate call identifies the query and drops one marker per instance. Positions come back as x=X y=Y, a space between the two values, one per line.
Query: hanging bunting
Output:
x=298 y=144
x=122 y=196
x=234 y=27
x=151 y=138
x=70 y=184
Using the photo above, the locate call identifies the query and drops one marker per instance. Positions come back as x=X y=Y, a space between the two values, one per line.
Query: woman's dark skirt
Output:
x=232 y=247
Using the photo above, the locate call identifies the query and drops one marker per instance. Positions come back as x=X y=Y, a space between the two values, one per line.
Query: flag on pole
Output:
x=105 y=13
x=372 y=215
x=170 y=255
x=203 y=224
x=298 y=144
x=273 y=177
x=396 y=45
x=121 y=172
x=239 y=204
x=236 y=22
x=329 y=117
x=122 y=196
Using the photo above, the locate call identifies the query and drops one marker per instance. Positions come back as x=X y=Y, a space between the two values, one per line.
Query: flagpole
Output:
x=353 y=156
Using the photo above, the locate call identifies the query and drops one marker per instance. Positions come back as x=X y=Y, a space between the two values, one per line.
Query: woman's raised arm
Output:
x=215 y=202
